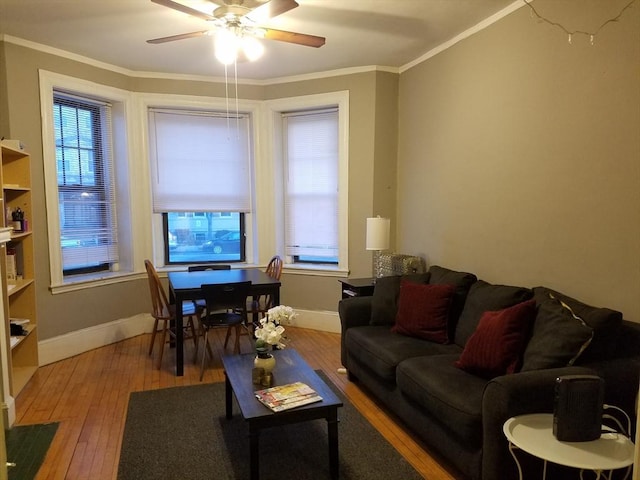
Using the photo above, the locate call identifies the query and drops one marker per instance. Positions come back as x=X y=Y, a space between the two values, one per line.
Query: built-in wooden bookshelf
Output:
x=18 y=274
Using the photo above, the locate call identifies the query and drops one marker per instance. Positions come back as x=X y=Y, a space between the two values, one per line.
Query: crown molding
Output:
x=487 y=22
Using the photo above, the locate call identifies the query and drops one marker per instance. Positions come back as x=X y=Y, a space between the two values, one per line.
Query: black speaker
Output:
x=577 y=412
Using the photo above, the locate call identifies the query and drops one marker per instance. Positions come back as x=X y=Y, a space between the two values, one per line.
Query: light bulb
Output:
x=252 y=48
x=226 y=46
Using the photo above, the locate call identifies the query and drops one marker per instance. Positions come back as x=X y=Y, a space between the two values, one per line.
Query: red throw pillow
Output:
x=497 y=345
x=423 y=311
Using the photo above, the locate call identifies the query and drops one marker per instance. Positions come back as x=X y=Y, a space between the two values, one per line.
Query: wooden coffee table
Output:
x=290 y=367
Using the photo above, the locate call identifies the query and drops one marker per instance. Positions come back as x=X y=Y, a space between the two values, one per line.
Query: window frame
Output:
x=275 y=126
x=125 y=176
x=253 y=248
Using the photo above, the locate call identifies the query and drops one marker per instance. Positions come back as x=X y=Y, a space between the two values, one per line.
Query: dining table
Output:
x=185 y=285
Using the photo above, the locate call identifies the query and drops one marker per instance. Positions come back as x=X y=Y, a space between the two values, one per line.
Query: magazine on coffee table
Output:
x=284 y=397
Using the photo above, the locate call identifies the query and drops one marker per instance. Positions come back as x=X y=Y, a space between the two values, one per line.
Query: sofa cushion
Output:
x=384 y=302
x=605 y=323
x=485 y=297
x=423 y=311
x=446 y=392
x=381 y=350
x=462 y=281
x=559 y=336
x=496 y=347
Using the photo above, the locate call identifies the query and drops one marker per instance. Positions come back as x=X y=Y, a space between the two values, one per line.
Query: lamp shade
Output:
x=378 y=230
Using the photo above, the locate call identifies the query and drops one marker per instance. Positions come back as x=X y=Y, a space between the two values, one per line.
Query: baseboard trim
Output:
x=74 y=343
x=317 y=320
x=8 y=411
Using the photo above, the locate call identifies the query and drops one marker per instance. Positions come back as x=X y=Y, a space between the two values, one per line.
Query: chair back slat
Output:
x=274 y=268
x=159 y=301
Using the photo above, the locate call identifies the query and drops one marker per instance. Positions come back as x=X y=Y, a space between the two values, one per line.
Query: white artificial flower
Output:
x=271 y=330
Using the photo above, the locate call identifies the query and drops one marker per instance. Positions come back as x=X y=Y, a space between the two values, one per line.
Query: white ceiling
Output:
x=359 y=33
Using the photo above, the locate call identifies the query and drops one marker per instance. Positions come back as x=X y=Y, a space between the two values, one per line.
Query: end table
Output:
x=357 y=287
x=534 y=434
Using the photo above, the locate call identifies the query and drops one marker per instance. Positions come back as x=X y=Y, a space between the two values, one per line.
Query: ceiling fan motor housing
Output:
x=231 y=12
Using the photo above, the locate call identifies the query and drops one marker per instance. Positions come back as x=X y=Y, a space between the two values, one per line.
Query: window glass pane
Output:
x=86 y=196
x=203 y=237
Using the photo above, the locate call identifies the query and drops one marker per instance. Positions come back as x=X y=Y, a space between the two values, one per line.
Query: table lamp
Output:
x=378 y=230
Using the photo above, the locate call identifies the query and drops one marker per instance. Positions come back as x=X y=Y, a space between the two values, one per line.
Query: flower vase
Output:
x=265 y=361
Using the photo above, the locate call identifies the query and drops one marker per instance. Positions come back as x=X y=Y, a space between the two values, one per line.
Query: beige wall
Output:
x=63 y=313
x=519 y=156
x=4 y=115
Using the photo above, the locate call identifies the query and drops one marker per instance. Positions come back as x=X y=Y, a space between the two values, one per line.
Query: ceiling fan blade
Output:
x=293 y=37
x=271 y=9
x=184 y=9
x=182 y=36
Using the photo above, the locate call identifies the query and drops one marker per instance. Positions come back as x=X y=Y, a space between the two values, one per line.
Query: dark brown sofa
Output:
x=459 y=413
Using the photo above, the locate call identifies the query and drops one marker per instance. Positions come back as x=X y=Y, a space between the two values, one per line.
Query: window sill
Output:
x=80 y=282
x=319 y=270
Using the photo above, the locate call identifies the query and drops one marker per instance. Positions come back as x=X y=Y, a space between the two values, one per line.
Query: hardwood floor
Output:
x=88 y=395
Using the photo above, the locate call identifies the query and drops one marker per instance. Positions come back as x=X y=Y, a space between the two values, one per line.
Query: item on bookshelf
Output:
x=18 y=220
x=17 y=330
x=19 y=321
x=11 y=265
x=285 y=397
x=15 y=144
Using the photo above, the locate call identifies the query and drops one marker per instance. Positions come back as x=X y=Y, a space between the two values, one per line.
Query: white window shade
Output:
x=311 y=184
x=200 y=161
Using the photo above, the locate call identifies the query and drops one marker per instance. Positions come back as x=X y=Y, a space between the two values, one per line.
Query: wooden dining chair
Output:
x=258 y=306
x=164 y=312
x=226 y=306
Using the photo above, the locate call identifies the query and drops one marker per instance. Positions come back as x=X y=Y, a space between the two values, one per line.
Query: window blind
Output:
x=311 y=184
x=86 y=189
x=200 y=161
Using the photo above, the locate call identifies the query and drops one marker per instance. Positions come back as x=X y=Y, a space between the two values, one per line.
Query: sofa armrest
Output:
x=354 y=312
x=621 y=378
x=508 y=396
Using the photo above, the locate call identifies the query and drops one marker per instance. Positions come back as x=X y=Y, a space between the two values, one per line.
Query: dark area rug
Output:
x=27 y=445
x=182 y=433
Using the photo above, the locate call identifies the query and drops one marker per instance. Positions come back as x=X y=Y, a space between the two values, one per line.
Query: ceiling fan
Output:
x=241 y=19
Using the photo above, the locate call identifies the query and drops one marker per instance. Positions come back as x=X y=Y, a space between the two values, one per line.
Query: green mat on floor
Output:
x=27 y=446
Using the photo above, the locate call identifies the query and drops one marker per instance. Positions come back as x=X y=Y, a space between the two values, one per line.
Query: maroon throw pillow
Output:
x=423 y=311
x=497 y=345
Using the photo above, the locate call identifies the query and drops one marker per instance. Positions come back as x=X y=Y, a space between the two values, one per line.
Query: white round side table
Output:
x=534 y=434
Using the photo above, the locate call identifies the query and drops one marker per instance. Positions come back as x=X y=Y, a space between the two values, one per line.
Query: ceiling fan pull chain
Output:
x=226 y=95
x=235 y=67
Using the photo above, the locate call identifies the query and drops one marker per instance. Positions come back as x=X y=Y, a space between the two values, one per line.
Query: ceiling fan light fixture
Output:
x=252 y=48
x=226 y=46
